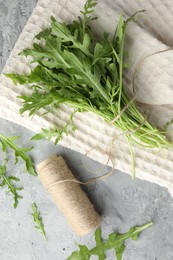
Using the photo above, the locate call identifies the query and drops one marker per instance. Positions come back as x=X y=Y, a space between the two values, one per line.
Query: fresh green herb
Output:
x=75 y=68
x=38 y=220
x=18 y=151
x=8 y=181
x=56 y=132
x=115 y=241
x=8 y=142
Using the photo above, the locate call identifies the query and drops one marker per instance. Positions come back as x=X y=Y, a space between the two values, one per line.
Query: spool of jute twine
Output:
x=68 y=195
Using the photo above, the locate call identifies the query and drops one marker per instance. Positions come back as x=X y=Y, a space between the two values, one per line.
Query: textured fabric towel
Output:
x=153 y=84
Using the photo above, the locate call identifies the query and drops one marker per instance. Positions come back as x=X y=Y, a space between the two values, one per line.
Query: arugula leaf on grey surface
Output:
x=115 y=241
x=8 y=142
x=8 y=181
x=75 y=68
x=38 y=220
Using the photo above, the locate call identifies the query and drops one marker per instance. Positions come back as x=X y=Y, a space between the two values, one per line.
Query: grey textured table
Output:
x=122 y=202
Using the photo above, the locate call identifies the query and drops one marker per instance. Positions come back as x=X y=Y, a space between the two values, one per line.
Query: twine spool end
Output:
x=68 y=195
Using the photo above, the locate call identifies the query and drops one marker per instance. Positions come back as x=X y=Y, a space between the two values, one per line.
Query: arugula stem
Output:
x=121 y=238
x=140 y=229
x=115 y=241
x=120 y=77
x=38 y=220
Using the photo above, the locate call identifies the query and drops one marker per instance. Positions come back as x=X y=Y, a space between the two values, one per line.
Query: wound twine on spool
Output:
x=68 y=195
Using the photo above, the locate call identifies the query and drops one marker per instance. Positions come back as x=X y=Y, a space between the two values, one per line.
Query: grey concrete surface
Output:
x=13 y=16
x=122 y=202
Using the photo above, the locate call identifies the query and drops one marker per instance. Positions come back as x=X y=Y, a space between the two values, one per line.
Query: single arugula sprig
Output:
x=115 y=241
x=38 y=220
x=8 y=181
x=56 y=133
x=75 y=68
x=49 y=134
x=8 y=142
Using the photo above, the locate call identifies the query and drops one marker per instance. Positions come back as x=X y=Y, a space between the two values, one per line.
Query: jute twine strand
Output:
x=106 y=175
x=68 y=195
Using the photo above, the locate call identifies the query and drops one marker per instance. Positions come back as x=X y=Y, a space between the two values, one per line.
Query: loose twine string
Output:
x=106 y=175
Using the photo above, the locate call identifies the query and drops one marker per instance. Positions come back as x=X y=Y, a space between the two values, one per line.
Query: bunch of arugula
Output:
x=75 y=68
x=8 y=142
x=115 y=241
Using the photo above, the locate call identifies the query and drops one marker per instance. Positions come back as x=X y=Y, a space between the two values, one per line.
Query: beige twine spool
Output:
x=68 y=195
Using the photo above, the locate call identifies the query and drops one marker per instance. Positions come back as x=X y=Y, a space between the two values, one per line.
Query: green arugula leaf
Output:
x=43 y=34
x=40 y=75
x=19 y=152
x=56 y=132
x=36 y=102
x=49 y=134
x=50 y=55
x=82 y=254
x=60 y=30
x=18 y=79
x=87 y=17
x=8 y=181
x=81 y=70
x=115 y=241
x=38 y=220
x=8 y=142
x=99 y=242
